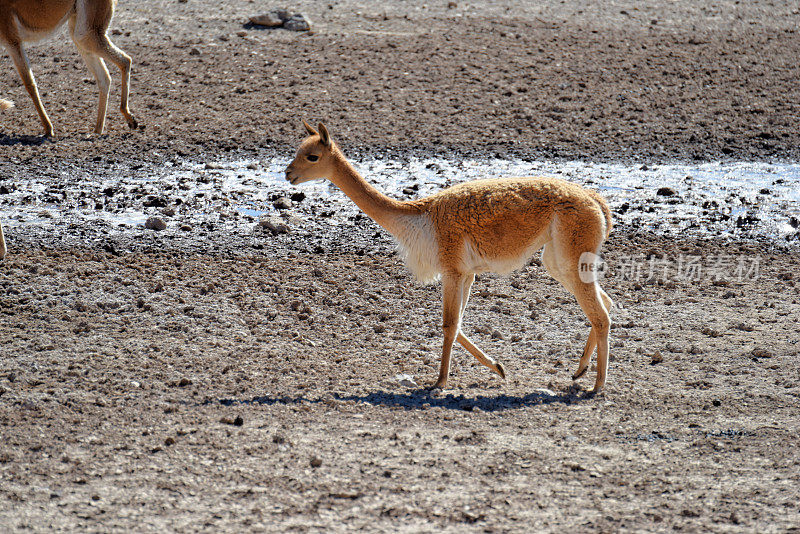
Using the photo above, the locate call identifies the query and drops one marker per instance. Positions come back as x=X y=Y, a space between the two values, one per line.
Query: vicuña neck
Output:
x=382 y=209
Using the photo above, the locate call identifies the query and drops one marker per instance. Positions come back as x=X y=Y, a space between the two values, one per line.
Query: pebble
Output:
x=666 y=192
x=315 y=462
x=298 y=23
x=273 y=19
x=274 y=224
x=155 y=223
x=238 y=421
x=282 y=203
x=280 y=18
x=656 y=358
x=406 y=381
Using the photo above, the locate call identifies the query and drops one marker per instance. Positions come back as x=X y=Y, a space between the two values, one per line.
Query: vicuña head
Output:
x=493 y=225
x=315 y=157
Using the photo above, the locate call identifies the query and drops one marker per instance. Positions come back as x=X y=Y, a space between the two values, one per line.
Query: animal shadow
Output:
x=423 y=399
x=23 y=140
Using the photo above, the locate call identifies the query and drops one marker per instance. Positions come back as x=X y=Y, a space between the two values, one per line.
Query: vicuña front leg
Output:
x=489 y=362
x=26 y=75
x=466 y=342
x=452 y=289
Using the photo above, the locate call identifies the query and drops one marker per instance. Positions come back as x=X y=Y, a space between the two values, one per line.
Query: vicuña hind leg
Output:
x=588 y=296
x=591 y=341
x=465 y=342
x=561 y=261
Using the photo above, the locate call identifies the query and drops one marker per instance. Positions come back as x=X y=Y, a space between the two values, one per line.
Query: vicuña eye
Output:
x=312 y=157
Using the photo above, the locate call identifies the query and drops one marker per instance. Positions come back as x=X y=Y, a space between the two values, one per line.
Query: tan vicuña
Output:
x=482 y=226
x=88 y=20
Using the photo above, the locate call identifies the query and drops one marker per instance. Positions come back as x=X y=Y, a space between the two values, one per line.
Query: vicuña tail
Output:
x=5 y=104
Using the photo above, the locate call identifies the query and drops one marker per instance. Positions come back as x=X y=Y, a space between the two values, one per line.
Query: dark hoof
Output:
x=133 y=124
x=580 y=373
x=500 y=370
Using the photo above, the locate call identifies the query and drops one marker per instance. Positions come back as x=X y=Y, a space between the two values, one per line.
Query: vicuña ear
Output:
x=309 y=129
x=324 y=136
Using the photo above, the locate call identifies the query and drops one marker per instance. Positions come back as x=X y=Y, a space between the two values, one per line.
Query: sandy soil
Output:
x=198 y=386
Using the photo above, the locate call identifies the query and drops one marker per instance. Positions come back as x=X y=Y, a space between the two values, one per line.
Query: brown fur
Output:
x=483 y=225
x=30 y=20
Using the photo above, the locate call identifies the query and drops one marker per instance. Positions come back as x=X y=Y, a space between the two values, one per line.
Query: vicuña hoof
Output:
x=579 y=373
x=500 y=370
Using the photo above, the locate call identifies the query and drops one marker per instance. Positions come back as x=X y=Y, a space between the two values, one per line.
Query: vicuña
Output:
x=482 y=226
x=32 y=20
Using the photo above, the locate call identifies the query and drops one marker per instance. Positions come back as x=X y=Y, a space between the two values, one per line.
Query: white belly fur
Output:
x=476 y=263
x=417 y=245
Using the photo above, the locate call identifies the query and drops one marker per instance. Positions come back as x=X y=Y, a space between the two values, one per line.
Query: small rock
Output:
x=666 y=192
x=282 y=203
x=497 y=335
x=212 y=166
x=168 y=212
x=760 y=353
x=299 y=196
x=406 y=381
x=274 y=224
x=238 y=421
x=154 y=201
x=155 y=223
x=169 y=441
x=273 y=19
x=656 y=358
x=194 y=52
x=315 y=462
x=297 y=23
x=452 y=5
x=184 y=382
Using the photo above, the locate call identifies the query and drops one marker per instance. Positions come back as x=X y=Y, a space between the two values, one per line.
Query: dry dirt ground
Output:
x=184 y=389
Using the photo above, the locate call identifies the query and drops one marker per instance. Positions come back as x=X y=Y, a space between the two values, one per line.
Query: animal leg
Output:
x=93 y=40
x=465 y=342
x=492 y=364
x=559 y=261
x=2 y=243
x=23 y=66
x=591 y=341
x=588 y=296
x=452 y=289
